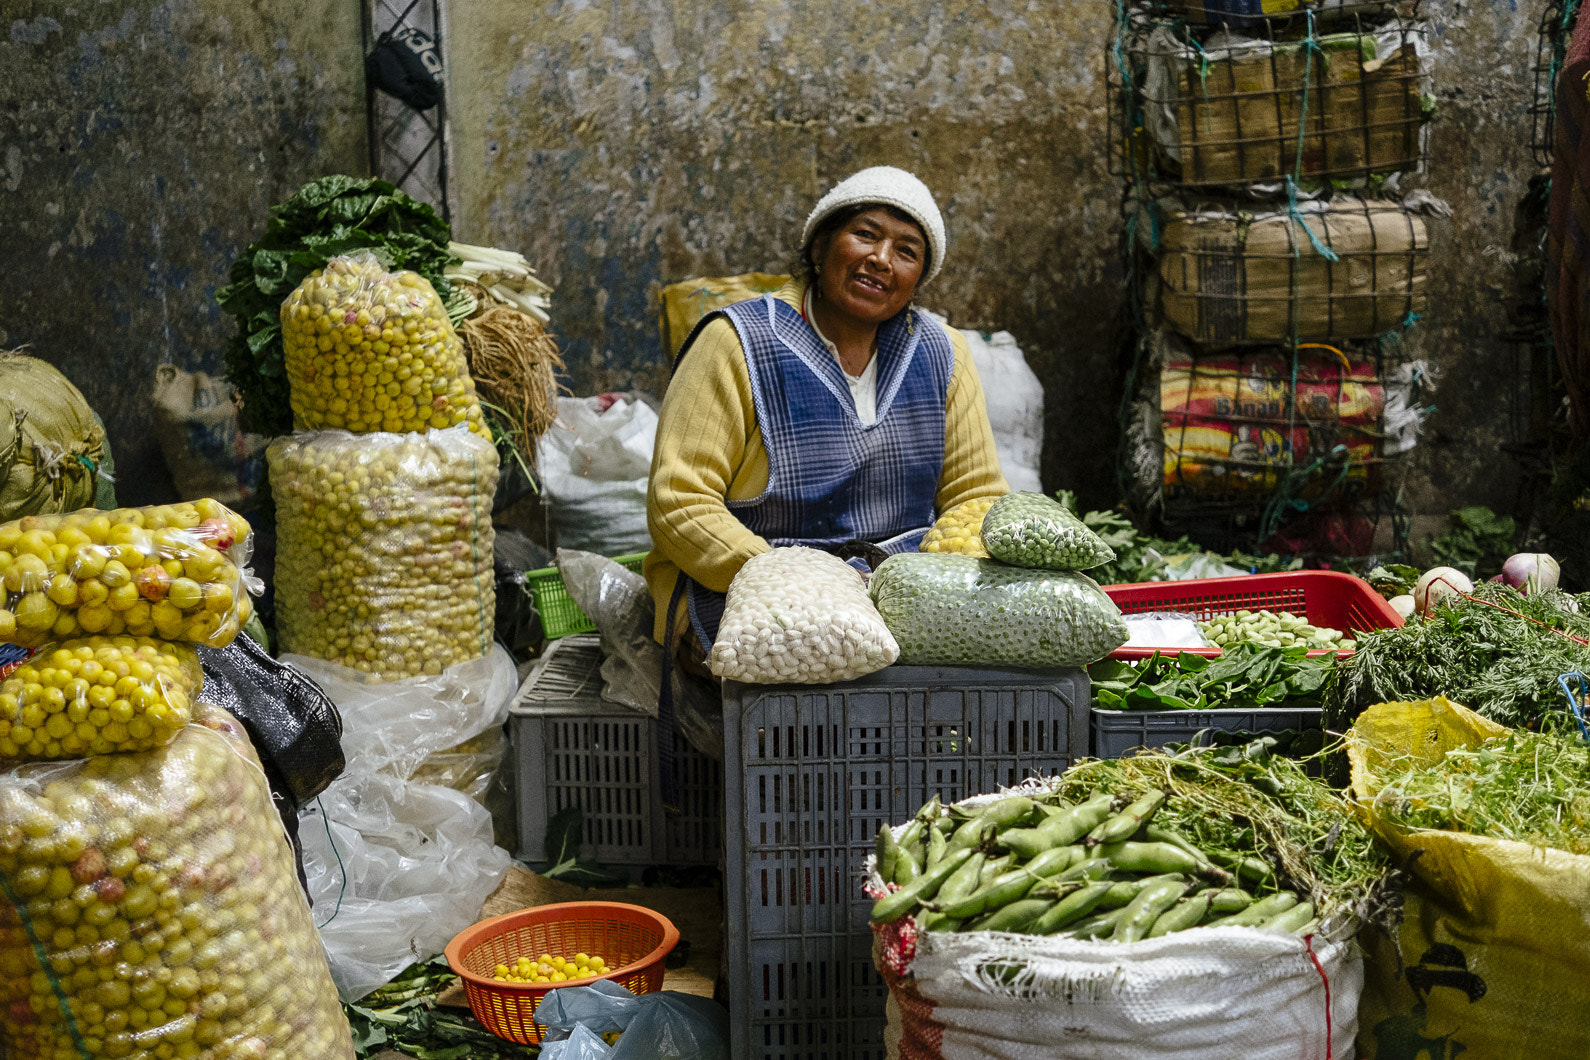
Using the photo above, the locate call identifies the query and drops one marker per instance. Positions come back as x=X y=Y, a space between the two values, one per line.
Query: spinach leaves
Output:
x=1243 y=676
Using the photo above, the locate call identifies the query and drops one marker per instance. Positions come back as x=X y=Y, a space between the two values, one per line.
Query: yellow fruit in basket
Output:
x=90 y=571
x=163 y=914
x=384 y=549
x=367 y=350
x=550 y=969
x=960 y=530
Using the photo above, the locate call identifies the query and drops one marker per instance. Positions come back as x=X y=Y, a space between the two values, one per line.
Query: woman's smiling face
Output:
x=869 y=267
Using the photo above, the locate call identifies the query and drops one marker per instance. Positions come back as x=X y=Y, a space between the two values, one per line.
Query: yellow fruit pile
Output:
x=384 y=549
x=170 y=571
x=368 y=350
x=960 y=529
x=549 y=969
x=98 y=695
x=152 y=911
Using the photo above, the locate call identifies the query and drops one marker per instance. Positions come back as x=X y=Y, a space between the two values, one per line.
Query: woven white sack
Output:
x=1202 y=994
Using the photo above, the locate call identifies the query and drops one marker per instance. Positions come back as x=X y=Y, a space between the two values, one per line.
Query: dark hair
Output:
x=806 y=269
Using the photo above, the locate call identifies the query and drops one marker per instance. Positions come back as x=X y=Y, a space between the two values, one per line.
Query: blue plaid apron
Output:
x=832 y=480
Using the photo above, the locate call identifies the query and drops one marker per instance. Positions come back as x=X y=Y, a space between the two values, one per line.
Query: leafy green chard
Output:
x=1245 y=676
x=327 y=217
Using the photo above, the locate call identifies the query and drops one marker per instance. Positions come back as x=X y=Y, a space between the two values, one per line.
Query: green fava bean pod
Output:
x=935 y=848
x=964 y=880
x=1141 y=912
x=1229 y=900
x=1151 y=857
x=892 y=907
x=1259 y=911
x=1073 y=907
x=1060 y=830
x=1016 y=916
x=906 y=868
x=1122 y=892
x=1097 y=926
x=993 y=868
x=887 y=851
x=1010 y=886
x=1290 y=919
x=1125 y=824
x=1181 y=916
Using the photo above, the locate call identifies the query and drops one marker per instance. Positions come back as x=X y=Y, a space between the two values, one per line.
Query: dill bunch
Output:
x=1497 y=664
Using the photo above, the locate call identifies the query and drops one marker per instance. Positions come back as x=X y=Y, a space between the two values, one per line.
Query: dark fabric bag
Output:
x=295 y=728
x=407 y=64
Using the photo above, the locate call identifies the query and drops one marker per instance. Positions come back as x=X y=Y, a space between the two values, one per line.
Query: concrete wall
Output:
x=141 y=146
x=626 y=145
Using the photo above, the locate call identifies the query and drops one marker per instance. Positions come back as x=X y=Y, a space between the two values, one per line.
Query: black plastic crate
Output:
x=1119 y=732
x=810 y=773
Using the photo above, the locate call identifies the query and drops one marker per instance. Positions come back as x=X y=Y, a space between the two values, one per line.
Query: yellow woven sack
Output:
x=1493 y=957
x=684 y=304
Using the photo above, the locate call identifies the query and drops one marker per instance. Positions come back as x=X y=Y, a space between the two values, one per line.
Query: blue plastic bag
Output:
x=664 y=1026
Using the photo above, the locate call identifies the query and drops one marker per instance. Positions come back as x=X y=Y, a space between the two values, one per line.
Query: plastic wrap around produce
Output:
x=959 y=611
x=404 y=864
x=799 y=616
x=384 y=549
x=1034 y=530
x=151 y=909
x=173 y=571
x=98 y=695
x=369 y=350
x=960 y=530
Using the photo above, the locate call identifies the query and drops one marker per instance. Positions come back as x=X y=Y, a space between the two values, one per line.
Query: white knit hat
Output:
x=891 y=187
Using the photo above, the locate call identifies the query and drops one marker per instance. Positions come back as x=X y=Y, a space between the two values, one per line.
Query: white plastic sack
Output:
x=395 y=867
x=1192 y=995
x=661 y=1026
x=800 y=616
x=1014 y=397
x=595 y=463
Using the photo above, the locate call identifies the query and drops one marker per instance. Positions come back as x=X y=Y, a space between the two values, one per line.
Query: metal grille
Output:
x=1556 y=28
x=1306 y=101
x=407 y=146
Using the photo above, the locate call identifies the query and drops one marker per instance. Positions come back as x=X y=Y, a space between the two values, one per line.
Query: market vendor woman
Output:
x=831 y=412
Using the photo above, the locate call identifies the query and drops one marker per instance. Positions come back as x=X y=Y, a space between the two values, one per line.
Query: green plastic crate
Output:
x=560 y=615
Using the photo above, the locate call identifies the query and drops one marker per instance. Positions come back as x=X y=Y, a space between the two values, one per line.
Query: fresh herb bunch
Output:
x=1477 y=543
x=1530 y=787
x=1142 y=557
x=1245 y=676
x=1497 y=664
x=1249 y=799
x=327 y=217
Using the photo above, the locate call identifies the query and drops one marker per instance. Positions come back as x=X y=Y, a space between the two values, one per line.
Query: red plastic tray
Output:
x=1324 y=598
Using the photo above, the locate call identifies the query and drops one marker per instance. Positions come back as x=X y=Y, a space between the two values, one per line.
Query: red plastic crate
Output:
x=1324 y=598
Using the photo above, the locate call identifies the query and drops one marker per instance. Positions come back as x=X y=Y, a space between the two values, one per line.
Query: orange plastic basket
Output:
x=633 y=940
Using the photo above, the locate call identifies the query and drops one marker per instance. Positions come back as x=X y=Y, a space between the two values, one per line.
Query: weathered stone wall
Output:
x=141 y=146
x=628 y=145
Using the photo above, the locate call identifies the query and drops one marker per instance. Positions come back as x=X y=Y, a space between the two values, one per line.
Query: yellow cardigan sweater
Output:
x=709 y=449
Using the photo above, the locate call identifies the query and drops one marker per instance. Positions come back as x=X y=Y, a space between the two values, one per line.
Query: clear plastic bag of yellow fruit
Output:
x=98 y=695
x=173 y=571
x=384 y=549
x=960 y=530
x=150 y=908
x=370 y=350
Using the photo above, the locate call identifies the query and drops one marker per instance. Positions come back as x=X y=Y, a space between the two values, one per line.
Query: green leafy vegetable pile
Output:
x=1477 y=543
x=1529 y=787
x=1393 y=579
x=327 y=217
x=1499 y=664
x=1143 y=558
x=1246 y=676
x=404 y=1016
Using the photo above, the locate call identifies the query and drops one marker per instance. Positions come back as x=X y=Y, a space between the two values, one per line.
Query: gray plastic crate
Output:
x=573 y=748
x=810 y=773
x=1119 y=732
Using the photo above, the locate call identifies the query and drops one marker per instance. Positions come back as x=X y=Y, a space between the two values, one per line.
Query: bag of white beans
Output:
x=800 y=616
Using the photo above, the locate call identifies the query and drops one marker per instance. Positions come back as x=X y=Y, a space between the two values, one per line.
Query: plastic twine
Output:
x=1308 y=944
x=343 y=888
x=1576 y=698
x=43 y=957
x=1310 y=48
